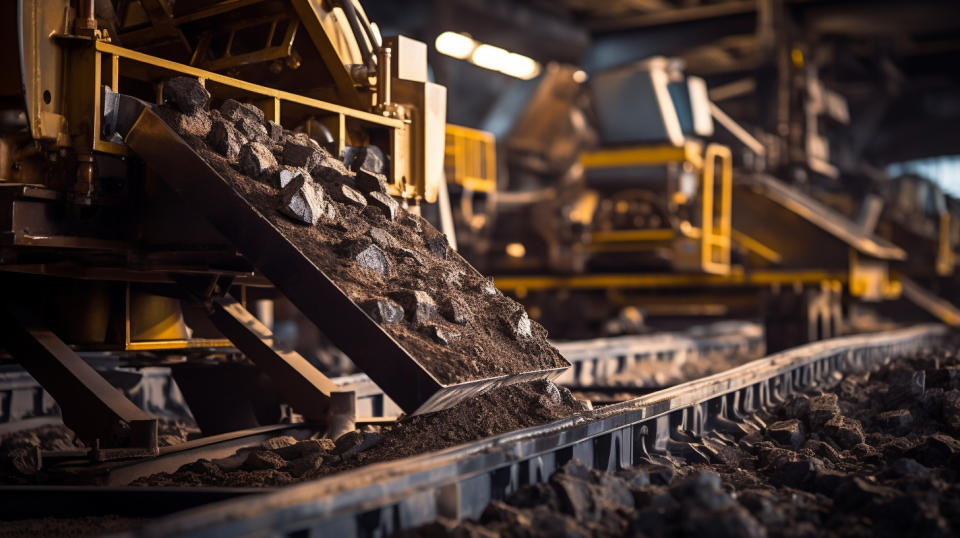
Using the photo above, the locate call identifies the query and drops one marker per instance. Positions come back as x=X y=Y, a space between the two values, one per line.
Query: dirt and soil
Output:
x=875 y=455
x=283 y=460
x=475 y=331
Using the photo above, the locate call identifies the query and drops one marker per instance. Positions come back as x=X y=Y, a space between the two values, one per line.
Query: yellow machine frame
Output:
x=716 y=230
x=470 y=158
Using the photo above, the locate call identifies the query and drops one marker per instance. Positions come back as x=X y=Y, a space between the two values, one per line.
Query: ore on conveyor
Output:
x=284 y=460
x=822 y=464
x=186 y=94
x=341 y=217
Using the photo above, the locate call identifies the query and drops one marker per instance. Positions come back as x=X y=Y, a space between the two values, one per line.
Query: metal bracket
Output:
x=304 y=387
x=99 y=413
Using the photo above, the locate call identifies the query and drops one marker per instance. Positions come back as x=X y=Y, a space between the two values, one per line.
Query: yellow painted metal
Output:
x=624 y=236
x=470 y=158
x=716 y=225
x=643 y=156
x=755 y=246
x=945 y=255
x=153 y=324
x=736 y=277
x=256 y=90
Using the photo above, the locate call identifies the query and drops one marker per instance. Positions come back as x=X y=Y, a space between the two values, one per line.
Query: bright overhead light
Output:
x=520 y=66
x=580 y=76
x=490 y=57
x=456 y=45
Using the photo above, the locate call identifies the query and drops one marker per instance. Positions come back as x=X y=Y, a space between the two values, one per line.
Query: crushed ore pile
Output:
x=392 y=263
x=876 y=455
x=283 y=460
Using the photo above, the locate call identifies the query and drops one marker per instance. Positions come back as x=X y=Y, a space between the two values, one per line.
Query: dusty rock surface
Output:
x=343 y=220
x=75 y=527
x=875 y=455
x=286 y=461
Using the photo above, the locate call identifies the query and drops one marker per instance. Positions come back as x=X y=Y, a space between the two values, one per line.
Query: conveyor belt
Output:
x=459 y=482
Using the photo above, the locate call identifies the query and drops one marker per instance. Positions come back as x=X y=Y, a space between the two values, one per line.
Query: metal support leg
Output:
x=304 y=387
x=99 y=413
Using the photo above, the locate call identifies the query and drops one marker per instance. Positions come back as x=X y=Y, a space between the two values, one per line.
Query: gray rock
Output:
x=412 y=254
x=787 y=433
x=441 y=335
x=302 y=201
x=301 y=155
x=823 y=407
x=456 y=310
x=264 y=459
x=437 y=244
x=305 y=464
x=518 y=324
x=373 y=259
x=898 y=421
x=418 y=305
x=906 y=387
x=197 y=125
x=846 y=431
x=367 y=181
x=225 y=139
x=234 y=110
x=252 y=129
x=186 y=94
x=384 y=203
x=383 y=310
x=368 y=158
x=348 y=195
x=382 y=238
x=274 y=131
x=276 y=443
x=256 y=160
x=908 y=466
x=289 y=174
x=797 y=473
x=306 y=447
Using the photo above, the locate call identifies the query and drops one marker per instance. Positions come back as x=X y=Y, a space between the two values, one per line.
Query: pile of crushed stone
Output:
x=393 y=263
x=876 y=455
x=283 y=460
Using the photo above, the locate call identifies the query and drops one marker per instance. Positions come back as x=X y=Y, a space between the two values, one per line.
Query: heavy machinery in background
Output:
x=99 y=255
x=632 y=200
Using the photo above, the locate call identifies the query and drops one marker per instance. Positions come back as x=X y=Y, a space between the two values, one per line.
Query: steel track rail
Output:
x=459 y=482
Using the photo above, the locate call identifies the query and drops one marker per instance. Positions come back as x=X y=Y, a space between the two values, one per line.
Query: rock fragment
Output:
x=276 y=443
x=370 y=158
x=367 y=181
x=300 y=154
x=252 y=129
x=373 y=259
x=186 y=94
x=264 y=459
x=383 y=239
x=456 y=310
x=289 y=174
x=235 y=110
x=348 y=195
x=352 y=443
x=384 y=203
x=255 y=160
x=897 y=421
x=787 y=433
x=846 y=431
x=518 y=324
x=823 y=407
x=906 y=387
x=437 y=244
x=383 y=310
x=418 y=305
x=302 y=201
x=305 y=447
x=441 y=335
x=304 y=465
x=225 y=139
x=274 y=131
x=197 y=125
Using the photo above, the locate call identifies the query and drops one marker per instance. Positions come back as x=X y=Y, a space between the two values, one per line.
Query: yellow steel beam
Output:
x=643 y=155
x=250 y=87
x=756 y=247
x=625 y=236
x=736 y=277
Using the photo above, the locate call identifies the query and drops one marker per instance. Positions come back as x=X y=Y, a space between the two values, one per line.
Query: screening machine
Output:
x=116 y=237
